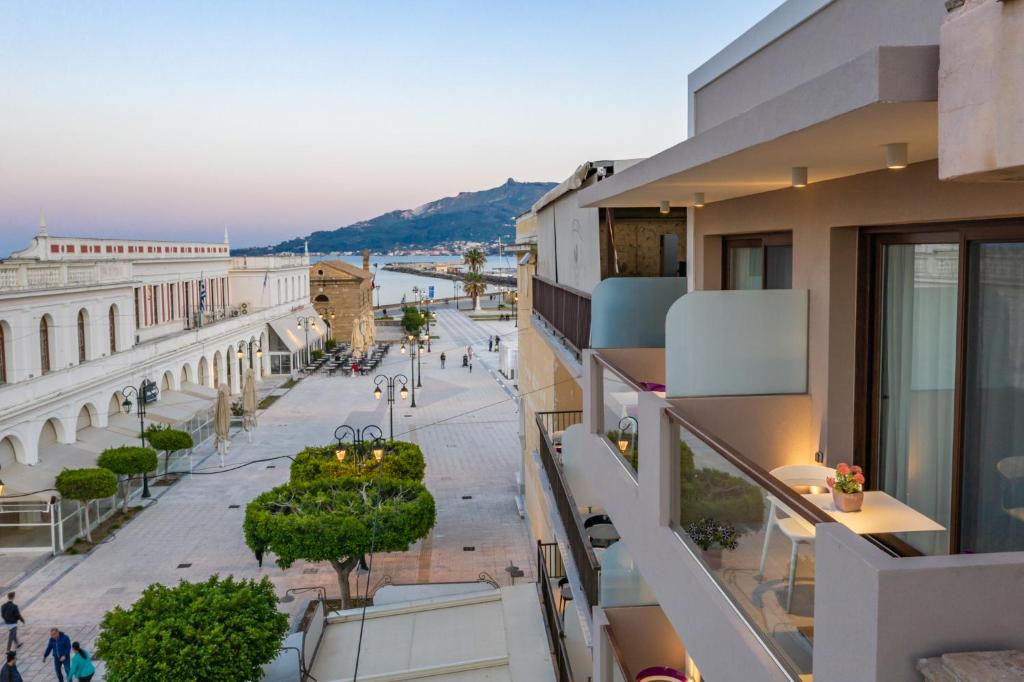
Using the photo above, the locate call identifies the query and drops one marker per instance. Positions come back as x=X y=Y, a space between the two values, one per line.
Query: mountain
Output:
x=469 y=216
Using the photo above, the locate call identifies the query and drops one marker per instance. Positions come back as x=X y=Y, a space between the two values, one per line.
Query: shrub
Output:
x=317 y=354
x=85 y=485
x=717 y=495
x=126 y=462
x=168 y=440
x=223 y=630
x=330 y=344
x=412 y=320
x=402 y=460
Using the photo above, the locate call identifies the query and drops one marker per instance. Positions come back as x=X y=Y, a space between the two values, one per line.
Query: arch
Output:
x=5 y=343
x=11 y=451
x=114 y=405
x=87 y=416
x=168 y=382
x=203 y=372
x=51 y=433
x=187 y=375
x=321 y=298
x=45 y=344
x=112 y=314
x=265 y=361
x=82 y=334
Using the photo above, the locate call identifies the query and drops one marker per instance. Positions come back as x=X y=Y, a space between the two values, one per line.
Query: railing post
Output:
x=593 y=392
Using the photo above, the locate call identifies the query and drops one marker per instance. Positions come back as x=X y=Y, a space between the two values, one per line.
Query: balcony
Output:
x=20 y=277
x=565 y=310
x=640 y=639
x=552 y=425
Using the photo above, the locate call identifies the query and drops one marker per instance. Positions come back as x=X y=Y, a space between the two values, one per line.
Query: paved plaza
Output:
x=466 y=423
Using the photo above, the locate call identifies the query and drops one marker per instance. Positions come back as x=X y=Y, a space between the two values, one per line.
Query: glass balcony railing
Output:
x=620 y=414
x=629 y=312
x=754 y=536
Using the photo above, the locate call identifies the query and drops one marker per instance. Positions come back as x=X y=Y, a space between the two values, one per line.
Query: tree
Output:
x=474 y=285
x=223 y=630
x=85 y=485
x=474 y=259
x=403 y=461
x=412 y=320
x=333 y=520
x=126 y=462
x=169 y=441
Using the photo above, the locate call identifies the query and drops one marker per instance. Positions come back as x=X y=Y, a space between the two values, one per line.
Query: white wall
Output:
x=576 y=232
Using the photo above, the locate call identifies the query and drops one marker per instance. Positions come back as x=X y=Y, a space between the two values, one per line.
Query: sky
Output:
x=272 y=120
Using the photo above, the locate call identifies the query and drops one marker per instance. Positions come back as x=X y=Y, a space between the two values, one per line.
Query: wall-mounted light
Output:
x=698 y=199
x=799 y=176
x=896 y=155
x=664 y=208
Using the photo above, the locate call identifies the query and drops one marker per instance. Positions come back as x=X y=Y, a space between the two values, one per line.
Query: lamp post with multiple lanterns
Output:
x=389 y=384
x=305 y=323
x=140 y=408
x=353 y=438
x=412 y=365
x=243 y=344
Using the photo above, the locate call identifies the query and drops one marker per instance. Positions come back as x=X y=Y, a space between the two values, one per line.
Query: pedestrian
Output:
x=470 y=366
x=443 y=358
x=465 y=360
x=469 y=352
x=490 y=344
x=11 y=615
x=59 y=645
x=9 y=673
x=81 y=664
x=497 y=340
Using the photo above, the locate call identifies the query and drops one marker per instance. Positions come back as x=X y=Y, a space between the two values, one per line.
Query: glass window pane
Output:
x=992 y=505
x=779 y=266
x=918 y=374
x=745 y=267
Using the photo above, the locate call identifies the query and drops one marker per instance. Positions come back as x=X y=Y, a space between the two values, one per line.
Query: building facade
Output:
x=82 y=319
x=853 y=295
x=343 y=297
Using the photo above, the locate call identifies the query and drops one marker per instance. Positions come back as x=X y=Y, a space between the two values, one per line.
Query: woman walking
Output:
x=81 y=664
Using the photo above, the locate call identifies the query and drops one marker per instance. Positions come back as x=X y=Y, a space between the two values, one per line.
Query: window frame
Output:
x=760 y=240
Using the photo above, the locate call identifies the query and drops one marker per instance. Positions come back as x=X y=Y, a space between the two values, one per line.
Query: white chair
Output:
x=792 y=526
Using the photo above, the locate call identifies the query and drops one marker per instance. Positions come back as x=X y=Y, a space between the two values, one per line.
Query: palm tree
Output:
x=474 y=259
x=474 y=285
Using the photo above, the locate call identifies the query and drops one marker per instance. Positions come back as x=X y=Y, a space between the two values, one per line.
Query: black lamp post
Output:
x=428 y=325
x=353 y=438
x=241 y=355
x=140 y=406
x=628 y=426
x=419 y=363
x=515 y=312
x=305 y=323
x=389 y=383
x=412 y=366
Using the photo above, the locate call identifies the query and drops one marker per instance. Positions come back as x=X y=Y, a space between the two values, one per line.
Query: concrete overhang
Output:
x=837 y=125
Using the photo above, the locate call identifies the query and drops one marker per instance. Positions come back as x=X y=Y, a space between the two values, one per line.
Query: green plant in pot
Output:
x=715 y=494
x=712 y=537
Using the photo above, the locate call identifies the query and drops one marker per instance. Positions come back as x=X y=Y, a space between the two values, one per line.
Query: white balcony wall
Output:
x=629 y=312
x=720 y=343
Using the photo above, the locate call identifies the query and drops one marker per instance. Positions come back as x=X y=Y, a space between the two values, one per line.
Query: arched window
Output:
x=3 y=355
x=44 y=345
x=112 y=328
x=81 y=335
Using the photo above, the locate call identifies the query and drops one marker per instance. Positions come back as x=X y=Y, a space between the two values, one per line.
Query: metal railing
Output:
x=583 y=555
x=549 y=559
x=26 y=276
x=567 y=310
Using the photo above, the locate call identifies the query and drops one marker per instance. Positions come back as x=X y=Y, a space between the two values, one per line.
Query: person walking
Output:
x=443 y=358
x=81 y=664
x=11 y=615
x=497 y=340
x=59 y=645
x=469 y=352
x=490 y=344
x=9 y=673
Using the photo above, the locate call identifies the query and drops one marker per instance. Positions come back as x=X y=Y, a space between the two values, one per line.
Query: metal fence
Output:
x=548 y=558
x=567 y=310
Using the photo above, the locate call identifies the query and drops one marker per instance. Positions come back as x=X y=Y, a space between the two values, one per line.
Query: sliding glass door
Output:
x=946 y=356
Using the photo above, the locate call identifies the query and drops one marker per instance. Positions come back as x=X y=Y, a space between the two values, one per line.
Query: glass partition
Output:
x=620 y=416
x=25 y=524
x=755 y=537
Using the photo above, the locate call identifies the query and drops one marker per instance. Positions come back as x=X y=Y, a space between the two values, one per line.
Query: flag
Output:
x=266 y=278
x=202 y=294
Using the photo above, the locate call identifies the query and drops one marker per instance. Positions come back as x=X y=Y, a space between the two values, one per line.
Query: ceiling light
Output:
x=698 y=199
x=799 y=176
x=664 y=208
x=896 y=155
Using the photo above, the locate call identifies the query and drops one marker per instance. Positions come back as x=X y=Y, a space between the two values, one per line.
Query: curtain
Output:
x=744 y=267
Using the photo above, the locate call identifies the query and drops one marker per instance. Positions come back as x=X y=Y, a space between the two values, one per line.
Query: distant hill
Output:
x=469 y=216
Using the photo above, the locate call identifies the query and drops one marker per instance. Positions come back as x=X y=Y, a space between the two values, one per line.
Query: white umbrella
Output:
x=249 y=403
x=222 y=421
x=358 y=340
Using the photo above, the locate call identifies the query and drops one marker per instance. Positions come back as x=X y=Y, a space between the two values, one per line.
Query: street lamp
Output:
x=140 y=403
x=241 y=354
x=515 y=312
x=389 y=383
x=419 y=362
x=628 y=432
x=412 y=366
x=428 y=325
x=305 y=323
x=353 y=438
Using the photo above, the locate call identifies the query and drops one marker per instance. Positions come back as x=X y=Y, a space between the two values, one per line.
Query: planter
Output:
x=713 y=558
x=847 y=502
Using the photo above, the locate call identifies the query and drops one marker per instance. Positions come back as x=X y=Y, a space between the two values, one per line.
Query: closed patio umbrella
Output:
x=358 y=341
x=249 y=403
x=222 y=421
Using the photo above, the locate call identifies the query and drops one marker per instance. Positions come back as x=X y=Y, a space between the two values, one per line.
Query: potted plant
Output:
x=712 y=537
x=847 y=487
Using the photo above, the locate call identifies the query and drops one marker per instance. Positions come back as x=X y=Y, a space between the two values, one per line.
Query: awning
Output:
x=294 y=336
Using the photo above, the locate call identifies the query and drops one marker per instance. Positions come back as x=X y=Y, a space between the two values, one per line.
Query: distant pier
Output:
x=432 y=270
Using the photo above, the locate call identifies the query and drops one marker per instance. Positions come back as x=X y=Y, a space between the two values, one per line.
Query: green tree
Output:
x=169 y=441
x=712 y=494
x=223 y=630
x=126 y=462
x=412 y=320
x=474 y=259
x=404 y=460
x=85 y=485
x=474 y=285
x=333 y=519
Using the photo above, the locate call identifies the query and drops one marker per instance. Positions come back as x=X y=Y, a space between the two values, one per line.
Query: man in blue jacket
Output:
x=60 y=646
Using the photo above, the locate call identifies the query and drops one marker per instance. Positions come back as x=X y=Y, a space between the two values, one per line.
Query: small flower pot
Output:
x=848 y=502
x=713 y=558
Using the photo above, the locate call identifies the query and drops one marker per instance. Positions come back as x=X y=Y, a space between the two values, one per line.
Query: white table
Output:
x=881 y=513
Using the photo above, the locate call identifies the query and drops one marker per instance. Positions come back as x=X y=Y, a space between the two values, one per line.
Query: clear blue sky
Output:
x=178 y=119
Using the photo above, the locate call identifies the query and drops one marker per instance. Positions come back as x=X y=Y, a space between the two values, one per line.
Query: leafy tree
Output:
x=332 y=520
x=403 y=461
x=223 y=630
x=474 y=259
x=474 y=285
x=169 y=441
x=716 y=495
x=85 y=485
x=412 y=320
x=126 y=462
